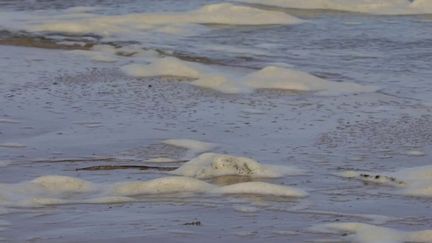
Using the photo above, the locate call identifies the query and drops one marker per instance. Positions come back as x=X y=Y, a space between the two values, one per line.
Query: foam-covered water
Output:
x=209 y=165
x=392 y=7
x=364 y=233
x=415 y=181
x=58 y=190
x=262 y=188
x=82 y=21
x=244 y=120
x=271 y=77
x=194 y=147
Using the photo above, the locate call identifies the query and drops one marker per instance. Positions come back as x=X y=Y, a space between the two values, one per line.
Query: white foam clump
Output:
x=54 y=190
x=210 y=165
x=374 y=218
x=7 y=120
x=388 y=7
x=262 y=188
x=366 y=233
x=166 y=67
x=415 y=153
x=49 y=190
x=289 y=79
x=222 y=13
x=245 y=209
x=164 y=185
x=271 y=77
x=62 y=184
x=416 y=181
x=194 y=147
x=44 y=190
x=12 y=145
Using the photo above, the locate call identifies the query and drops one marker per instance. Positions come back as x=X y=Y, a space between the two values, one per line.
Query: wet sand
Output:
x=69 y=112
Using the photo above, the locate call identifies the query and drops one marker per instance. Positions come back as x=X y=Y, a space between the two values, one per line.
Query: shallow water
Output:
x=65 y=110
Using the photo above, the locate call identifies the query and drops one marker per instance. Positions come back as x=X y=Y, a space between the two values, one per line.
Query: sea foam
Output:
x=54 y=190
x=171 y=22
x=416 y=181
x=194 y=147
x=210 y=165
x=387 y=7
x=12 y=145
x=190 y=144
x=164 y=185
x=228 y=81
x=262 y=188
x=366 y=233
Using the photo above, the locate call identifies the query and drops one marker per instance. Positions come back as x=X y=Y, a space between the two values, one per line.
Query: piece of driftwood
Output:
x=125 y=167
x=40 y=42
x=193 y=223
x=73 y=160
x=94 y=159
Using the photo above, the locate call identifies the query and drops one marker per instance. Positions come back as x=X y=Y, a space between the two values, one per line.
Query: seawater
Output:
x=248 y=113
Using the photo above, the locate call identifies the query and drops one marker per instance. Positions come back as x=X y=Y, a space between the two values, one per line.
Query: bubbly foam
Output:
x=62 y=184
x=44 y=190
x=50 y=190
x=165 y=185
x=366 y=233
x=194 y=147
x=245 y=209
x=226 y=81
x=12 y=145
x=9 y=121
x=54 y=190
x=390 y=7
x=415 y=153
x=190 y=144
x=416 y=181
x=210 y=165
x=289 y=79
x=168 y=22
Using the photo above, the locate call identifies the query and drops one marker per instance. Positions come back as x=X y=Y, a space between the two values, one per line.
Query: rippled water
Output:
x=65 y=110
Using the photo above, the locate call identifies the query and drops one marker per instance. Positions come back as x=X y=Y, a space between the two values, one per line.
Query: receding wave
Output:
x=271 y=77
x=45 y=41
x=132 y=25
x=388 y=7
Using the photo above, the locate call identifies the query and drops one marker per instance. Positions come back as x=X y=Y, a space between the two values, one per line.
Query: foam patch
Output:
x=416 y=181
x=388 y=7
x=55 y=190
x=262 y=188
x=228 y=81
x=210 y=165
x=167 y=22
x=366 y=233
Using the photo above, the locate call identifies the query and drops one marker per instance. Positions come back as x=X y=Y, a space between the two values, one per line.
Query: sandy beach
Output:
x=110 y=142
